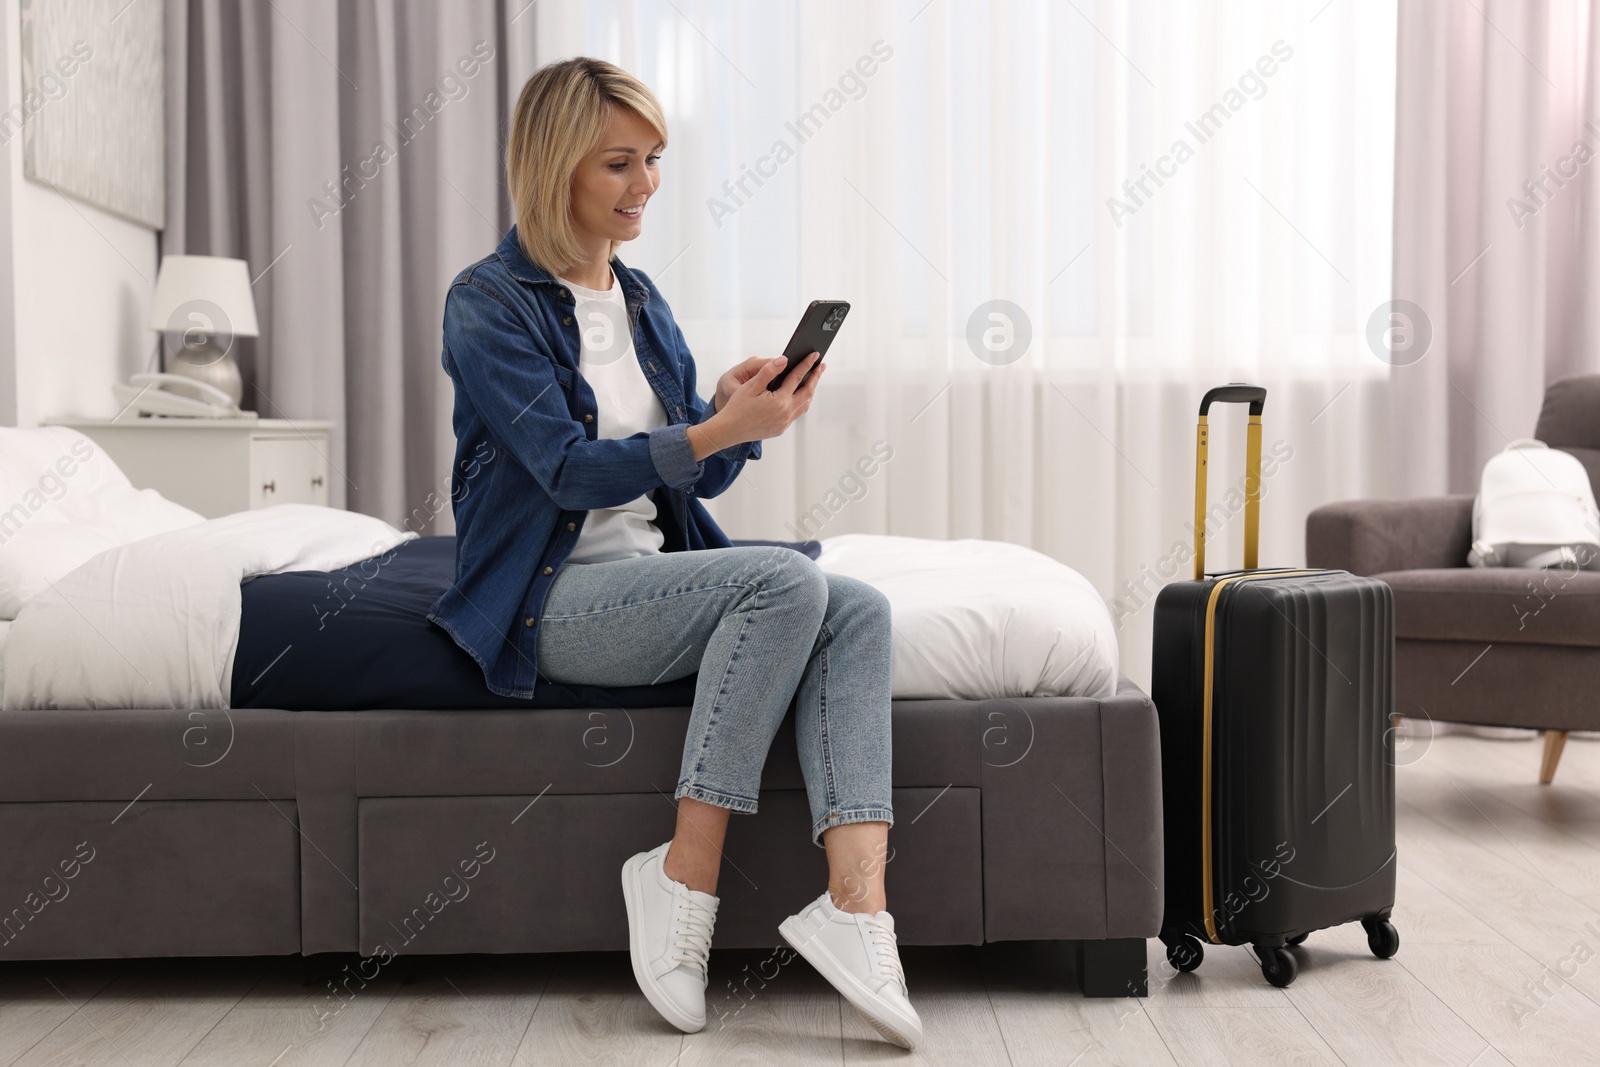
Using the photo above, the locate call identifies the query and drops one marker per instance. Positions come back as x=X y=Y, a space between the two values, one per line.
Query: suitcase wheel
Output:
x=1299 y=940
x=1278 y=965
x=1382 y=938
x=1185 y=952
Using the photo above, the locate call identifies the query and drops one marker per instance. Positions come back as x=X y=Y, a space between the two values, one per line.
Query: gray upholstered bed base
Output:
x=171 y=833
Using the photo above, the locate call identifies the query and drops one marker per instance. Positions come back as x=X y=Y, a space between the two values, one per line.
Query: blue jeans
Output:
x=763 y=626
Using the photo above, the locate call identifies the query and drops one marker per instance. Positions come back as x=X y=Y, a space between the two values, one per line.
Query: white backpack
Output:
x=1535 y=508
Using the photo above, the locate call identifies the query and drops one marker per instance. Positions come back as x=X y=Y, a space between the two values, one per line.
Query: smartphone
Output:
x=817 y=329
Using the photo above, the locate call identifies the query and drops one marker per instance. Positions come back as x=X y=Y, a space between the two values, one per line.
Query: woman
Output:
x=591 y=560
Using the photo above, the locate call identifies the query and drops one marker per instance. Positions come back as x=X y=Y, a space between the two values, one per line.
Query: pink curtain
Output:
x=1497 y=224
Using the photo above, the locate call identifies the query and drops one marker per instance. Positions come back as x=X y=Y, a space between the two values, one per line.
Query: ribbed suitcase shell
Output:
x=1275 y=694
x=1302 y=786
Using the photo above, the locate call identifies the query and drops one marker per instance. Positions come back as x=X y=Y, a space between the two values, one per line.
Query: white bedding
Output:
x=155 y=623
x=69 y=502
x=980 y=619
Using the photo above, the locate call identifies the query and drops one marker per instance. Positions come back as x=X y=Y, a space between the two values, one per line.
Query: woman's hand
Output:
x=735 y=377
x=754 y=413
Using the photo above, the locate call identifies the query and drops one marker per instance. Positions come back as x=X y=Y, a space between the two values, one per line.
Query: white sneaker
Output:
x=669 y=939
x=859 y=956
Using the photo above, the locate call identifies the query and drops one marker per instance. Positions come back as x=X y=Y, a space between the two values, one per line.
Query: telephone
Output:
x=176 y=394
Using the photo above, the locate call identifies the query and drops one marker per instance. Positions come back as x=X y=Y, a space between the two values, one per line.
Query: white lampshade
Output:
x=208 y=293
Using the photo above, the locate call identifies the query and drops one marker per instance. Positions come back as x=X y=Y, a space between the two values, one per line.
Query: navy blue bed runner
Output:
x=360 y=638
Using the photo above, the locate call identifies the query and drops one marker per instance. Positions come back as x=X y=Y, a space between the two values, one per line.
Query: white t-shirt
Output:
x=626 y=404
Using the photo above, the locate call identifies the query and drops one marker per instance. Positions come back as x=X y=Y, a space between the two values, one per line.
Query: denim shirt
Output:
x=528 y=464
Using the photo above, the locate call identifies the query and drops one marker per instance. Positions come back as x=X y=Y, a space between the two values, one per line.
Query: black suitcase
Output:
x=1274 y=689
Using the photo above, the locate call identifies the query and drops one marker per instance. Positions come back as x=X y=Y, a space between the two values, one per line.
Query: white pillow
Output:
x=42 y=467
x=63 y=501
x=977 y=619
x=129 y=514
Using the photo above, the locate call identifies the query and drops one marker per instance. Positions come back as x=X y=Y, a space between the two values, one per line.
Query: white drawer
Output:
x=287 y=470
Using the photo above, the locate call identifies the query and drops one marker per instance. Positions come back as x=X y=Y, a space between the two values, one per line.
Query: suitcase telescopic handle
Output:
x=1232 y=393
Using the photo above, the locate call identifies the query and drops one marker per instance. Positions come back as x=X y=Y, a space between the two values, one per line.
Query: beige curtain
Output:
x=1497 y=224
x=351 y=153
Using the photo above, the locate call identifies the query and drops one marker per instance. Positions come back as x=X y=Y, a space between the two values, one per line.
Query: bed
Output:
x=335 y=778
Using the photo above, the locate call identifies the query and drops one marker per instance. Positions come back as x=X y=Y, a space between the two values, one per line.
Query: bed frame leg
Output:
x=1114 y=967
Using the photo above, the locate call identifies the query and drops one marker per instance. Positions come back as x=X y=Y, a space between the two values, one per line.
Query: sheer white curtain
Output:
x=924 y=160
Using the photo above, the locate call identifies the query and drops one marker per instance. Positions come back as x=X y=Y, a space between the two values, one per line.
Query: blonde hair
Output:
x=563 y=111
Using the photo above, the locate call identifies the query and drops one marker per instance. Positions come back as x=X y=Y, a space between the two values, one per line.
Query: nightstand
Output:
x=217 y=466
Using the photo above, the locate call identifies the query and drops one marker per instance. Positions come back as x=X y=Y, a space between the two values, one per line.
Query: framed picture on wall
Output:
x=91 y=109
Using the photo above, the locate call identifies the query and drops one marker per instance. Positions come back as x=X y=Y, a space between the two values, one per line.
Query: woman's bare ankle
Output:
x=857 y=903
x=696 y=876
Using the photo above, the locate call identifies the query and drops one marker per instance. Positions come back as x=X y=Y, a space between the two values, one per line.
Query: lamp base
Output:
x=210 y=364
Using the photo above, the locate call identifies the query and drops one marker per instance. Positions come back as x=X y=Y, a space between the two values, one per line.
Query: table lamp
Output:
x=207 y=302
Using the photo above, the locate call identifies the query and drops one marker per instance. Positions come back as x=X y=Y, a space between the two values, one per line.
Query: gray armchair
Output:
x=1495 y=647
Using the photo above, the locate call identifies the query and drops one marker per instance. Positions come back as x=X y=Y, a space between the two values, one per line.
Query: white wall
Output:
x=75 y=285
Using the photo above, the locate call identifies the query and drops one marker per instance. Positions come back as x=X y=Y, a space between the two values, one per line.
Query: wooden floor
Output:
x=1499 y=895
